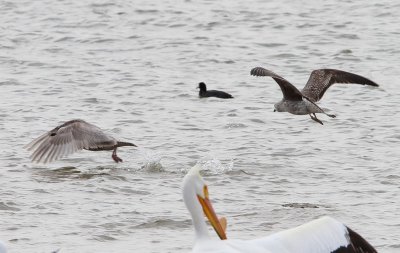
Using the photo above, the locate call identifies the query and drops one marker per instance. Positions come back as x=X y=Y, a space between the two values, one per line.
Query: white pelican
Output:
x=324 y=235
x=3 y=248
x=303 y=102
x=70 y=137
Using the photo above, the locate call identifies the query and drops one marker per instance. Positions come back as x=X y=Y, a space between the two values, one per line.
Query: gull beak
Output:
x=210 y=214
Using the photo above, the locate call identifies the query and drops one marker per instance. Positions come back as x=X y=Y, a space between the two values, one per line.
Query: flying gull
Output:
x=70 y=137
x=204 y=93
x=303 y=102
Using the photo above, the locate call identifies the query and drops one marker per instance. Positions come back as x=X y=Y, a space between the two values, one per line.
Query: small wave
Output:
x=166 y=223
x=146 y=11
x=103 y=238
x=348 y=36
x=300 y=205
x=345 y=51
x=8 y=207
x=235 y=125
x=70 y=172
x=257 y=121
x=271 y=44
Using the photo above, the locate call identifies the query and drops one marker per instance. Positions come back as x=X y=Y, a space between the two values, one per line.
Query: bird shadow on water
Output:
x=149 y=162
x=70 y=172
x=144 y=161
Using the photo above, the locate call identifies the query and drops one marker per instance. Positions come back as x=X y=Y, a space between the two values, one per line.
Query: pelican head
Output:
x=196 y=198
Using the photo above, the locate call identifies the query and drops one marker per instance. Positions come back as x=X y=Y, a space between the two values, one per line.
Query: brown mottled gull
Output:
x=70 y=137
x=303 y=102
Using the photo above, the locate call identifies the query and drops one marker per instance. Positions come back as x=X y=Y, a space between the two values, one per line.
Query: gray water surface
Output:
x=132 y=68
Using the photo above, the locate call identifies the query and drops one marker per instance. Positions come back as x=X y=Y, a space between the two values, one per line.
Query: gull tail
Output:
x=123 y=143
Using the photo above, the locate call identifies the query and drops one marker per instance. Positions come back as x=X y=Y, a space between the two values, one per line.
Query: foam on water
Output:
x=215 y=166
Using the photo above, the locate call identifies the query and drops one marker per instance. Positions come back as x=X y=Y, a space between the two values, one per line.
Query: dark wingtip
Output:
x=124 y=143
x=360 y=244
x=255 y=71
x=370 y=83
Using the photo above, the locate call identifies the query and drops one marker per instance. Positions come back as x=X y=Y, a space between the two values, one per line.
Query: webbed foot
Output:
x=316 y=119
x=115 y=157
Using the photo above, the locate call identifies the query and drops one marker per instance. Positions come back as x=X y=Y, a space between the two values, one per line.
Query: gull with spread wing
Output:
x=70 y=137
x=304 y=102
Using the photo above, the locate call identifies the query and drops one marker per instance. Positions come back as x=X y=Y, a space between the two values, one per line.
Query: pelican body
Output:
x=304 y=102
x=70 y=137
x=323 y=235
x=3 y=248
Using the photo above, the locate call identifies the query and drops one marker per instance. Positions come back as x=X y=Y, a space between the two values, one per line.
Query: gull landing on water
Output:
x=324 y=235
x=303 y=102
x=70 y=137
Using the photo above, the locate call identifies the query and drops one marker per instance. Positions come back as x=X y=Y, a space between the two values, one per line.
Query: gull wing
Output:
x=68 y=138
x=321 y=79
x=290 y=92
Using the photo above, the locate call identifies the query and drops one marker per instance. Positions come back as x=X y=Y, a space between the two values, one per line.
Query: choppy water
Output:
x=132 y=68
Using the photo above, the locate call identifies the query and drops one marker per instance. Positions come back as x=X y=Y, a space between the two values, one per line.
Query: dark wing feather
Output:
x=321 y=79
x=68 y=138
x=290 y=92
x=359 y=244
x=215 y=93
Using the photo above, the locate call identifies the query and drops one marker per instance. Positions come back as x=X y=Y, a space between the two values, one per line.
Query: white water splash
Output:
x=215 y=166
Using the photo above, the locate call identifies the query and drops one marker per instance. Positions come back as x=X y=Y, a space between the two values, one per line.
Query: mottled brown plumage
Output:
x=321 y=79
x=303 y=102
x=289 y=91
x=70 y=137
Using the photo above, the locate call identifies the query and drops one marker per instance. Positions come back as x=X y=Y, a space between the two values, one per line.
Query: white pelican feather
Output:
x=3 y=248
x=323 y=235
